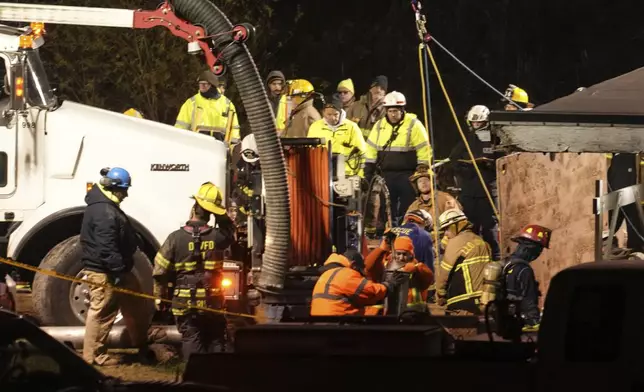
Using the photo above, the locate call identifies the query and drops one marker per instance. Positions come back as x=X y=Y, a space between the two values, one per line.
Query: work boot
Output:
x=106 y=360
x=146 y=356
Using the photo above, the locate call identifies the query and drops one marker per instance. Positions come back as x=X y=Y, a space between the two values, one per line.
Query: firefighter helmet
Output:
x=535 y=233
x=516 y=94
x=421 y=217
x=249 y=149
x=450 y=217
x=478 y=113
x=418 y=175
x=209 y=197
x=299 y=87
x=394 y=99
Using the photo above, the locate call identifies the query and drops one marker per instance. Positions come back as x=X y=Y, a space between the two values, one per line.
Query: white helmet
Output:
x=394 y=99
x=449 y=217
x=478 y=113
x=249 y=149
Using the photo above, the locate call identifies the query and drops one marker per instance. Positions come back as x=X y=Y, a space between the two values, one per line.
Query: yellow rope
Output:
x=73 y=279
x=429 y=171
x=460 y=130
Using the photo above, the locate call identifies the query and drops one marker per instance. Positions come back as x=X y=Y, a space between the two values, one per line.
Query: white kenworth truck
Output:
x=52 y=151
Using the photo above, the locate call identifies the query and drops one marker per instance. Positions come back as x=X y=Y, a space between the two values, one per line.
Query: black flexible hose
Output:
x=260 y=116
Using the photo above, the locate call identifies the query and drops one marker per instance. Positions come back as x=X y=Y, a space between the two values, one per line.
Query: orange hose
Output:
x=309 y=192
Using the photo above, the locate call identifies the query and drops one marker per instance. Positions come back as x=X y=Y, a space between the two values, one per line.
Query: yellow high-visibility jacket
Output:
x=284 y=108
x=345 y=138
x=409 y=145
x=209 y=116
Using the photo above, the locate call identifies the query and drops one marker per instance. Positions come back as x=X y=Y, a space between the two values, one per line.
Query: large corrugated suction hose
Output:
x=239 y=62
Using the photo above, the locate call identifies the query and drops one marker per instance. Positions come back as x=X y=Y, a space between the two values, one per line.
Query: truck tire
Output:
x=57 y=302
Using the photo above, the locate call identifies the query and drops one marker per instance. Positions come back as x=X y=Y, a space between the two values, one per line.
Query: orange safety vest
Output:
x=343 y=291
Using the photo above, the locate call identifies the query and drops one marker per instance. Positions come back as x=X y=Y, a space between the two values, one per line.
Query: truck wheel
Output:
x=65 y=303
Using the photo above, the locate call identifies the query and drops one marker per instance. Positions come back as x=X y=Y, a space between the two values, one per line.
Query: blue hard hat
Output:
x=117 y=177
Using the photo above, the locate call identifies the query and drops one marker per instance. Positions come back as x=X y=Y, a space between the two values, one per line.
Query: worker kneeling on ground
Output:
x=188 y=260
x=108 y=243
x=343 y=290
x=520 y=283
x=460 y=283
x=402 y=259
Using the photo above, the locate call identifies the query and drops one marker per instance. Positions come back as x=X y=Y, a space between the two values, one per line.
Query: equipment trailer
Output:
x=282 y=252
x=52 y=151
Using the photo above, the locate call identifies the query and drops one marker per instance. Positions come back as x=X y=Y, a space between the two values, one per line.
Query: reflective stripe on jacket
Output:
x=284 y=108
x=342 y=291
x=196 y=274
x=209 y=116
x=346 y=138
x=409 y=145
x=471 y=253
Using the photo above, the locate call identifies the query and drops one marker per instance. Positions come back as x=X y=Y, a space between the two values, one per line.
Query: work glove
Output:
x=388 y=239
x=395 y=280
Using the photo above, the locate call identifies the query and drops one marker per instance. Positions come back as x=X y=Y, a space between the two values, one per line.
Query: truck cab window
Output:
x=595 y=325
x=4 y=169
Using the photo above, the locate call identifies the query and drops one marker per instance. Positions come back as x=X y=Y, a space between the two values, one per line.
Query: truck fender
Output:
x=42 y=219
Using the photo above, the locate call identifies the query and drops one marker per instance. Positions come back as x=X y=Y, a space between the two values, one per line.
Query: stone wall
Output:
x=554 y=190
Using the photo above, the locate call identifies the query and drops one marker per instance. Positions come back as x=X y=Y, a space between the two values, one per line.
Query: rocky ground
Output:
x=170 y=370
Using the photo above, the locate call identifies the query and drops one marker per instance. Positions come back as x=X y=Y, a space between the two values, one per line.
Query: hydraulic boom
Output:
x=198 y=40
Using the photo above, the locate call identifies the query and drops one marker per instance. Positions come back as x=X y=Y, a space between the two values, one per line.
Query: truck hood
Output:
x=167 y=164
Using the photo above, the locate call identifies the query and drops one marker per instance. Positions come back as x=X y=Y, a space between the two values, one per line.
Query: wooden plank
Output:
x=570 y=138
x=556 y=191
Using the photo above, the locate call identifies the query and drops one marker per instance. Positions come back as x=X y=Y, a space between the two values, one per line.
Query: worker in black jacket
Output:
x=520 y=282
x=108 y=243
x=189 y=260
x=476 y=204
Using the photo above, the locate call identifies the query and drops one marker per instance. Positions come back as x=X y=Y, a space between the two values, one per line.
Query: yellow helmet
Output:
x=516 y=94
x=299 y=87
x=133 y=112
x=209 y=197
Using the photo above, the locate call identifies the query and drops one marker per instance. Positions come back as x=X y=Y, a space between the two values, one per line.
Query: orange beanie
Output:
x=404 y=243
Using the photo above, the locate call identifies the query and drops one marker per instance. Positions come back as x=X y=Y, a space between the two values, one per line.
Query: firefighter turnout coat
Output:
x=346 y=139
x=399 y=148
x=189 y=259
x=343 y=291
x=210 y=117
x=461 y=277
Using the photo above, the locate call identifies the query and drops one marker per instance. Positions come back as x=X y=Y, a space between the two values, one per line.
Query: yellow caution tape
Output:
x=117 y=289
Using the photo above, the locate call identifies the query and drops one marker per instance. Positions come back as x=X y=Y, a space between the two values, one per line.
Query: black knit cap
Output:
x=380 y=80
x=334 y=102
